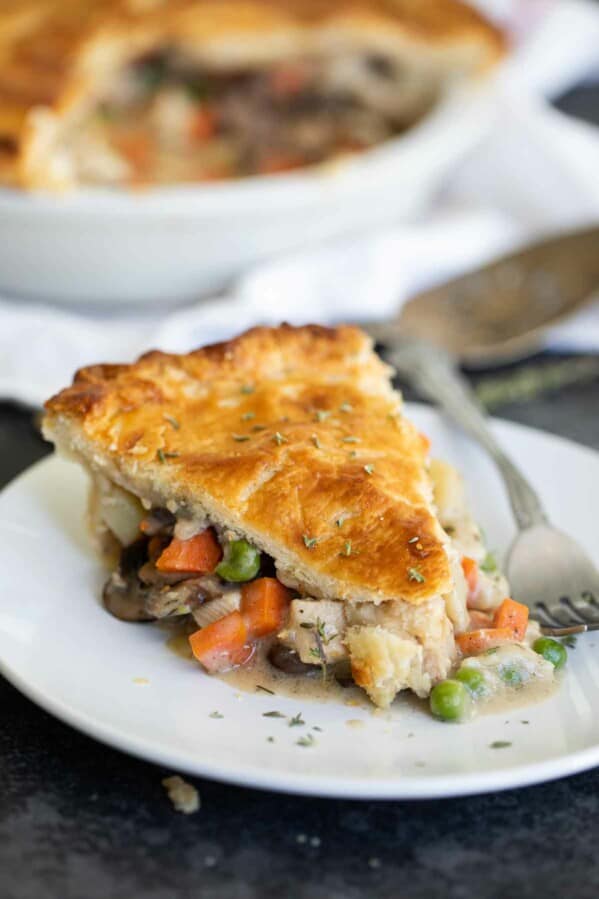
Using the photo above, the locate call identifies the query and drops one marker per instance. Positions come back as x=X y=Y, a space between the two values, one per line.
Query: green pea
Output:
x=241 y=563
x=473 y=679
x=551 y=650
x=450 y=700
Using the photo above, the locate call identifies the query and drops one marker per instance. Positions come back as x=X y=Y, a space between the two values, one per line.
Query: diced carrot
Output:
x=203 y=124
x=474 y=642
x=426 y=441
x=198 y=555
x=514 y=615
x=470 y=569
x=222 y=644
x=264 y=605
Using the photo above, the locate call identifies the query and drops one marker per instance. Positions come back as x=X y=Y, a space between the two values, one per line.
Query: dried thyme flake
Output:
x=346 y=407
x=247 y=389
x=321 y=415
x=341 y=521
x=309 y=542
x=499 y=744
x=315 y=441
x=347 y=550
x=216 y=714
x=279 y=438
x=162 y=456
x=240 y=438
x=307 y=625
x=306 y=740
x=248 y=416
x=257 y=428
x=415 y=575
x=297 y=720
x=273 y=714
x=261 y=689
x=489 y=564
x=270 y=739
x=351 y=439
x=413 y=539
x=172 y=421
x=369 y=469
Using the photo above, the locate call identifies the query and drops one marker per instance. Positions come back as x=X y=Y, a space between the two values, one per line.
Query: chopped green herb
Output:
x=499 y=744
x=351 y=439
x=492 y=651
x=569 y=640
x=353 y=454
x=247 y=389
x=274 y=714
x=346 y=549
x=525 y=722
x=346 y=407
x=306 y=740
x=489 y=564
x=257 y=428
x=215 y=715
x=415 y=575
x=172 y=421
x=270 y=739
x=321 y=415
x=315 y=441
x=262 y=689
x=162 y=456
x=309 y=542
x=316 y=727
x=278 y=438
x=341 y=521
x=369 y=469
x=321 y=629
x=297 y=720
x=240 y=438
x=247 y=416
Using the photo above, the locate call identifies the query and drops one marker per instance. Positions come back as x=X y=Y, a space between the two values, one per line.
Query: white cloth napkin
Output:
x=536 y=172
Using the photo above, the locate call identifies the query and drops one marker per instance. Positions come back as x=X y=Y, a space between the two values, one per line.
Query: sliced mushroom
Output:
x=125 y=598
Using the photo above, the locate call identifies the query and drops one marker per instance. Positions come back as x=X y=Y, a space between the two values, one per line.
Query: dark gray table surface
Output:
x=81 y=821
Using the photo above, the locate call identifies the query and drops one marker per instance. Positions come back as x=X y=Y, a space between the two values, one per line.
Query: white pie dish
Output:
x=174 y=244
x=119 y=683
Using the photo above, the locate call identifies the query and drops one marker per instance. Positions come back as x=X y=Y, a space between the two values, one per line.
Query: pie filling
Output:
x=235 y=604
x=167 y=119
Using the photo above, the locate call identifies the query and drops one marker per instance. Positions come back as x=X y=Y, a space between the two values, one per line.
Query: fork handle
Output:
x=434 y=374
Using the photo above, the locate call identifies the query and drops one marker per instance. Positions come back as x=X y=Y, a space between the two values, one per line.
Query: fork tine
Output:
x=576 y=612
x=545 y=615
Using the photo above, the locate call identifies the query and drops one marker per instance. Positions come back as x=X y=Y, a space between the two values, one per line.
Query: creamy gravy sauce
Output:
x=259 y=676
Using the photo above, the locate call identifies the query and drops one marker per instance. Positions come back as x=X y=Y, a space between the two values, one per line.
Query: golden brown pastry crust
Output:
x=290 y=436
x=56 y=54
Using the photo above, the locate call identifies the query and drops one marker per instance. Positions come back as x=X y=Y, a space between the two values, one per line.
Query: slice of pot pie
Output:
x=140 y=92
x=269 y=493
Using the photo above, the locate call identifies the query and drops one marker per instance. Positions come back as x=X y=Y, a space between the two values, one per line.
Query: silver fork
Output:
x=547 y=570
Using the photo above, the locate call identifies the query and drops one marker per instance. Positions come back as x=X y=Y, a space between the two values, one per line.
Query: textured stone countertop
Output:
x=81 y=821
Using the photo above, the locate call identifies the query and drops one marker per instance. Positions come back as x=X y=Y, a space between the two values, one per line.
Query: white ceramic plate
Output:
x=172 y=244
x=61 y=649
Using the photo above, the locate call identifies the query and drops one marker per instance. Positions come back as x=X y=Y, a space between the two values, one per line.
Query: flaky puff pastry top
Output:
x=290 y=437
x=57 y=56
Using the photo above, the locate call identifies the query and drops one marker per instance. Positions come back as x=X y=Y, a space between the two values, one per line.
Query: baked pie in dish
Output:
x=270 y=495
x=150 y=92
